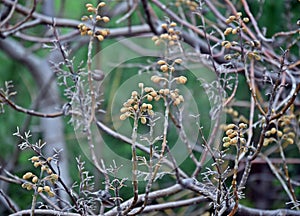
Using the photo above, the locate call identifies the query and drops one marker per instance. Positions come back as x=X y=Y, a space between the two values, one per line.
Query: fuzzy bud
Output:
x=27 y=175
x=143 y=120
x=105 y=19
x=47 y=189
x=164 y=68
x=101 y=4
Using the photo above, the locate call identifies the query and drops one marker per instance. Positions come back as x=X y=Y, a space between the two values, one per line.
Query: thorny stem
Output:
x=249 y=132
x=150 y=167
x=208 y=143
x=164 y=141
x=217 y=165
x=166 y=125
x=90 y=79
x=245 y=175
x=268 y=115
x=216 y=125
x=61 y=49
x=92 y=108
x=138 y=145
x=134 y=162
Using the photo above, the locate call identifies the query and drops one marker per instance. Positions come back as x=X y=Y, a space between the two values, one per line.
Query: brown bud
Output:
x=101 y=4
x=161 y=62
x=173 y=24
x=143 y=120
x=164 y=68
x=35 y=179
x=47 y=188
x=40 y=189
x=105 y=19
x=27 y=175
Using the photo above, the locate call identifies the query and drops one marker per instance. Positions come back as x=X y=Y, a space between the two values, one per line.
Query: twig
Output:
x=8 y=201
x=174 y=204
x=288 y=104
x=116 y=135
x=253 y=21
x=150 y=167
x=234 y=178
x=134 y=162
x=12 y=9
x=287 y=176
x=129 y=13
x=29 y=112
x=29 y=15
x=44 y=212
x=152 y=195
x=275 y=172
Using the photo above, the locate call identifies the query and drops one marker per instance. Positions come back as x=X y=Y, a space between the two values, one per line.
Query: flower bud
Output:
x=164 y=68
x=40 y=189
x=143 y=120
x=161 y=62
x=101 y=4
x=27 y=175
x=47 y=188
x=173 y=24
x=35 y=179
x=105 y=19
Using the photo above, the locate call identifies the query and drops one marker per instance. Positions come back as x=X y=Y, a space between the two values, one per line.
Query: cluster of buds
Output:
x=134 y=106
x=37 y=162
x=285 y=132
x=151 y=94
x=36 y=182
x=27 y=176
x=238 y=26
x=171 y=36
x=228 y=44
x=85 y=30
x=176 y=97
x=254 y=43
x=237 y=18
x=254 y=55
x=234 y=135
x=271 y=135
x=190 y=4
x=46 y=189
x=238 y=21
x=164 y=92
x=165 y=67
